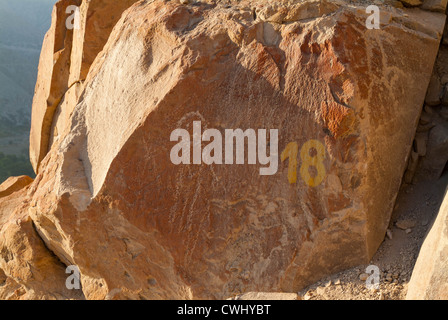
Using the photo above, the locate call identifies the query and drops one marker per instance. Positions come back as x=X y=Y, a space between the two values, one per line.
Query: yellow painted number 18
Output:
x=308 y=160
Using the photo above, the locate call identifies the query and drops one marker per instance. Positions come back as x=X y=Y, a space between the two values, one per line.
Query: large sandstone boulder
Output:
x=429 y=279
x=108 y=198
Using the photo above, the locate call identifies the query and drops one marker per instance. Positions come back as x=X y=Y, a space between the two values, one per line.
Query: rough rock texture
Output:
x=108 y=199
x=14 y=184
x=435 y=5
x=28 y=270
x=430 y=149
x=67 y=54
x=429 y=279
x=52 y=80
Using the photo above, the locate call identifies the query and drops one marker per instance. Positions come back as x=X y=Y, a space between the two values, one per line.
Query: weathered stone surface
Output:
x=412 y=167
x=66 y=57
x=434 y=91
x=432 y=165
x=97 y=19
x=109 y=200
x=411 y=3
x=14 y=184
x=420 y=141
x=429 y=279
x=52 y=80
x=405 y=224
x=435 y=5
x=28 y=270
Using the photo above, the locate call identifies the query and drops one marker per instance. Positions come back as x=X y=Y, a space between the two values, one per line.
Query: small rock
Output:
x=408 y=231
x=328 y=284
x=389 y=234
x=337 y=282
x=405 y=224
x=363 y=276
x=425 y=118
x=320 y=291
x=420 y=143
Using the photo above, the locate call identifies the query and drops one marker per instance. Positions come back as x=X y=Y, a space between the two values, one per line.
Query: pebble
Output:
x=363 y=276
x=389 y=234
x=405 y=224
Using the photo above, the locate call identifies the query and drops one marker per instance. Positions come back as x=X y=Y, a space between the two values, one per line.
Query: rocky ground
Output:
x=416 y=209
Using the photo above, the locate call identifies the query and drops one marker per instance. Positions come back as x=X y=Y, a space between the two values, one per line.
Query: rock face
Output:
x=429 y=279
x=52 y=80
x=14 y=184
x=69 y=48
x=429 y=156
x=27 y=269
x=108 y=198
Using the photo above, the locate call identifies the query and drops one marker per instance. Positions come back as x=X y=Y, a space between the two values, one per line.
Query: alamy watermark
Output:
x=73 y=281
x=74 y=19
x=373 y=21
x=373 y=279
x=231 y=149
x=234 y=140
